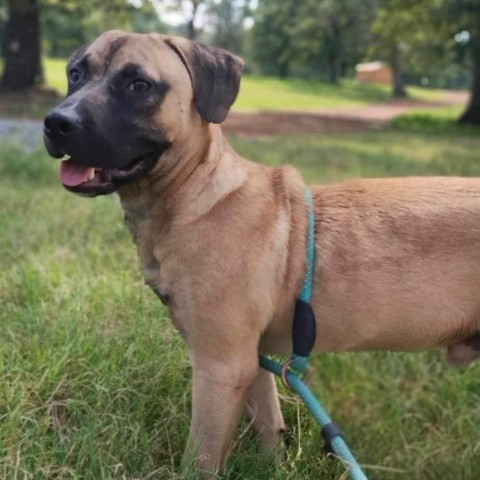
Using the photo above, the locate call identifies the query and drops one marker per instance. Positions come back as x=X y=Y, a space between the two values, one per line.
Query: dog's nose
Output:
x=61 y=123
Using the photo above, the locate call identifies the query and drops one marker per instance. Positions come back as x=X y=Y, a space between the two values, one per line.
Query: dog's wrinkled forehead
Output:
x=115 y=49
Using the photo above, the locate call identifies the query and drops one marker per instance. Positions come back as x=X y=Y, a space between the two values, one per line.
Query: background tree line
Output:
x=433 y=42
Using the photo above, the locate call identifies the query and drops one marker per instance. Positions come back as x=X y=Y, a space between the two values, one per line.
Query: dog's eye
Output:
x=74 y=75
x=138 y=86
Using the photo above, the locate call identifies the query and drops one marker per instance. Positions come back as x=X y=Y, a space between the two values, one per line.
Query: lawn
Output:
x=269 y=93
x=257 y=94
x=94 y=379
x=274 y=94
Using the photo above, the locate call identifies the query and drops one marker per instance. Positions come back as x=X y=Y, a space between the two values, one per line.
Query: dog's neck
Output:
x=199 y=176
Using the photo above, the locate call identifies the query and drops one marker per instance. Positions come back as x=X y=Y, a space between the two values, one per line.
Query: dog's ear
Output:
x=215 y=75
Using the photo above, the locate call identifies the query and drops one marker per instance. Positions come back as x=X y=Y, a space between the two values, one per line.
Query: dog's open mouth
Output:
x=91 y=181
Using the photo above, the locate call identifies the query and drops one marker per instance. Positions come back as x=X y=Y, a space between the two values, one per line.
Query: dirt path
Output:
x=26 y=133
x=342 y=119
x=29 y=132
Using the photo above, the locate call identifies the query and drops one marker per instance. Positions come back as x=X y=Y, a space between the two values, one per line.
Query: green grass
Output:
x=55 y=74
x=435 y=121
x=272 y=94
x=94 y=380
x=257 y=94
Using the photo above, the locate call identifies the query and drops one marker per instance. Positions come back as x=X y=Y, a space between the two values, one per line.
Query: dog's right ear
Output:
x=215 y=75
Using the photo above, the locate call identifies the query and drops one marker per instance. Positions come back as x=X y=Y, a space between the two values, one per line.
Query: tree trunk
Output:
x=472 y=113
x=334 y=73
x=191 y=32
x=283 y=69
x=334 y=48
x=398 y=85
x=23 y=68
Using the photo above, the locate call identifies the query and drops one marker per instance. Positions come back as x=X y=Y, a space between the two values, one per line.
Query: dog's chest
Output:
x=163 y=271
x=147 y=232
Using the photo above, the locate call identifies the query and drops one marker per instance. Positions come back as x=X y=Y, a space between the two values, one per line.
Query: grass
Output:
x=257 y=94
x=55 y=74
x=435 y=121
x=272 y=94
x=94 y=380
x=275 y=94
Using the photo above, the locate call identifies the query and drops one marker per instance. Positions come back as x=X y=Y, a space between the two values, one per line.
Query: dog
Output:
x=221 y=239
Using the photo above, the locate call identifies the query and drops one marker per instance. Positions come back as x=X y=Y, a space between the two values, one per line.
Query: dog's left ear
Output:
x=215 y=75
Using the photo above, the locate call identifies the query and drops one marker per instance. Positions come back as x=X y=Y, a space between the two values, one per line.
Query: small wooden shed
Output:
x=374 y=72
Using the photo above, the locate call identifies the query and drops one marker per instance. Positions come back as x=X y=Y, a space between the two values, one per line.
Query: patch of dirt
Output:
x=274 y=123
x=31 y=105
x=341 y=119
x=257 y=124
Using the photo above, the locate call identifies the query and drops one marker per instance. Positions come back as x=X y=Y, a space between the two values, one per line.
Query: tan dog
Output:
x=222 y=240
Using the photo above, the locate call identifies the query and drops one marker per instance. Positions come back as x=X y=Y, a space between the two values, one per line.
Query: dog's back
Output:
x=398 y=263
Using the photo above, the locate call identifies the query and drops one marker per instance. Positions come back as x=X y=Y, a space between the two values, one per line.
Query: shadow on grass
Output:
x=32 y=105
x=424 y=122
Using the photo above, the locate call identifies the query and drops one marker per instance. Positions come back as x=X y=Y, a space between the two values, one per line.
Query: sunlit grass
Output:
x=55 y=74
x=257 y=94
x=269 y=93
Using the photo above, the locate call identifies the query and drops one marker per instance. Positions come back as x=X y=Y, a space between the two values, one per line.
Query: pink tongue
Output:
x=73 y=174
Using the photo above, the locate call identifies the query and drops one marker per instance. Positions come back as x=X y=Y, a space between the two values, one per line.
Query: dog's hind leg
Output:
x=463 y=353
x=263 y=408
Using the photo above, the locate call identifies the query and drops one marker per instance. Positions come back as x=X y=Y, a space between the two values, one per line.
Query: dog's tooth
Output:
x=91 y=174
x=66 y=157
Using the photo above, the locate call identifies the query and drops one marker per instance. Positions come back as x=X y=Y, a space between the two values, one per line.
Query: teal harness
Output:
x=303 y=339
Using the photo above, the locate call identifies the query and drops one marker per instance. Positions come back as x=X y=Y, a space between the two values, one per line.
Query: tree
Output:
x=23 y=68
x=467 y=15
x=274 y=46
x=335 y=33
x=192 y=34
x=403 y=28
x=225 y=21
x=391 y=23
x=68 y=23
x=191 y=10
x=325 y=38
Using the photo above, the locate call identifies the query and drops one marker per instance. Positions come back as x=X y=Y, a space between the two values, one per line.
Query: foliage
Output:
x=334 y=34
x=274 y=48
x=423 y=32
x=467 y=14
x=69 y=24
x=225 y=19
x=325 y=38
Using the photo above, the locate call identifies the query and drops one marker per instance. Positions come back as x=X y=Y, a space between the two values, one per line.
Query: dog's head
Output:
x=132 y=97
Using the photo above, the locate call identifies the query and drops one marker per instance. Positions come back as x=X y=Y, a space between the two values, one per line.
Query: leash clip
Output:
x=283 y=375
x=296 y=364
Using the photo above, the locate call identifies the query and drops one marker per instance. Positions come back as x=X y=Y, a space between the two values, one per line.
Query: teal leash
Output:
x=330 y=432
x=303 y=340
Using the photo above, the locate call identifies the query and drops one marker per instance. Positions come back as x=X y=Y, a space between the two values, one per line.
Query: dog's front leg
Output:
x=221 y=383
